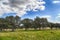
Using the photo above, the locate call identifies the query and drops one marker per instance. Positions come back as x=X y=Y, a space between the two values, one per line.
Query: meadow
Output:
x=31 y=35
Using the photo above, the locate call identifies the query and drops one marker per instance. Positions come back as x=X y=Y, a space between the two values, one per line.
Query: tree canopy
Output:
x=14 y=22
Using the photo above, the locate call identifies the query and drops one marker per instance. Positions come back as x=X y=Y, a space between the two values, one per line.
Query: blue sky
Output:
x=51 y=12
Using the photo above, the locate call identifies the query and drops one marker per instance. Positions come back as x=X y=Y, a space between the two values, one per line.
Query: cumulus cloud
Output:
x=58 y=15
x=56 y=1
x=57 y=18
x=20 y=6
x=47 y=16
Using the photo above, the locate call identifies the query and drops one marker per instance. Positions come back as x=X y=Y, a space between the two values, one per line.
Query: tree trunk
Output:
x=26 y=29
x=1 y=29
x=13 y=29
x=39 y=28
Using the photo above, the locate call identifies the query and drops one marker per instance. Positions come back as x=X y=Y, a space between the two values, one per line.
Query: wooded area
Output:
x=15 y=22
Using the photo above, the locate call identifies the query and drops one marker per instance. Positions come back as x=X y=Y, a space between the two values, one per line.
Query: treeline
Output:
x=15 y=22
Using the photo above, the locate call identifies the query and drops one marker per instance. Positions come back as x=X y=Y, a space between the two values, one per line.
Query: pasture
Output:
x=31 y=35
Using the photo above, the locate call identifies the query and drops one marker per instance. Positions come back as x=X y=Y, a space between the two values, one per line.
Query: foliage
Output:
x=14 y=22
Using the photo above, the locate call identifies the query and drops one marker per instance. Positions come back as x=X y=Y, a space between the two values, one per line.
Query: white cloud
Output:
x=57 y=18
x=56 y=1
x=20 y=6
x=47 y=16
x=58 y=15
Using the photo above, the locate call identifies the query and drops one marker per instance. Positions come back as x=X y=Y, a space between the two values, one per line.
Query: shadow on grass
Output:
x=48 y=30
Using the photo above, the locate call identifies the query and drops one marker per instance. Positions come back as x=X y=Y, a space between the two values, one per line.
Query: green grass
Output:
x=31 y=35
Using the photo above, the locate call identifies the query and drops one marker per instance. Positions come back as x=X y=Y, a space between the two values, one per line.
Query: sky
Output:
x=49 y=9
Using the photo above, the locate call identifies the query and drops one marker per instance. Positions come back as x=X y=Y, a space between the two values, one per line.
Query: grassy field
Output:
x=31 y=35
